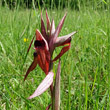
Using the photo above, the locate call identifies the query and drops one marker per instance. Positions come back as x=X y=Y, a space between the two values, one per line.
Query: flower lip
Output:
x=39 y=43
x=35 y=54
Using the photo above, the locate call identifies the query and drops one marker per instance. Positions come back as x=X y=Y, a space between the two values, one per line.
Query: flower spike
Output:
x=44 y=46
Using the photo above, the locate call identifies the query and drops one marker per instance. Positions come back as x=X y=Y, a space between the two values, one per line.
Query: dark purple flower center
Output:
x=35 y=54
x=39 y=43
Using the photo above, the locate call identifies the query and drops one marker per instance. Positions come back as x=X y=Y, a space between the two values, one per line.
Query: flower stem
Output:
x=51 y=87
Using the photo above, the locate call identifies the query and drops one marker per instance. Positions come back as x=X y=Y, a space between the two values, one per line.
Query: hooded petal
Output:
x=43 y=54
x=39 y=37
x=32 y=67
x=43 y=31
x=64 y=49
x=45 y=84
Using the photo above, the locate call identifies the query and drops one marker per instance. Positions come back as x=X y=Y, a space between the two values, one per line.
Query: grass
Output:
x=84 y=72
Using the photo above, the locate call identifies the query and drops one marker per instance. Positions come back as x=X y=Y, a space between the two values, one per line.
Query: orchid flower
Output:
x=44 y=45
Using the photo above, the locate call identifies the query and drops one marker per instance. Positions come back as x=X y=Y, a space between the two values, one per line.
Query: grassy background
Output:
x=85 y=75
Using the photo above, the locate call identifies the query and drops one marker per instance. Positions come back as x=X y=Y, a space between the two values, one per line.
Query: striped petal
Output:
x=59 y=27
x=45 y=84
x=52 y=29
x=62 y=40
x=55 y=35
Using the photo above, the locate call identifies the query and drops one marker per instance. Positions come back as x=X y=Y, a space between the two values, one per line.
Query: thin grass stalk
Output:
x=39 y=5
x=52 y=4
x=24 y=60
x=86 y=91
x=108 y=59
x=69 y=88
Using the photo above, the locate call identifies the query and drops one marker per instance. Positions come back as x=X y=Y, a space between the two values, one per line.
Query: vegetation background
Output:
x=85 y=69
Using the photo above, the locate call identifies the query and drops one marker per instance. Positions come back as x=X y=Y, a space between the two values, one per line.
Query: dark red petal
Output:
x=64 y=49
x=43 y=31
x=43 y=59
x=45 y=84
x=32 y=67
x=55 y=35
x=43 y=54
x=48 y=21
x=59 y=27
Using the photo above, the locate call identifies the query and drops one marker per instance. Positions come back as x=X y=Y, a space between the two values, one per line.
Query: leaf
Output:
x=45 y=84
